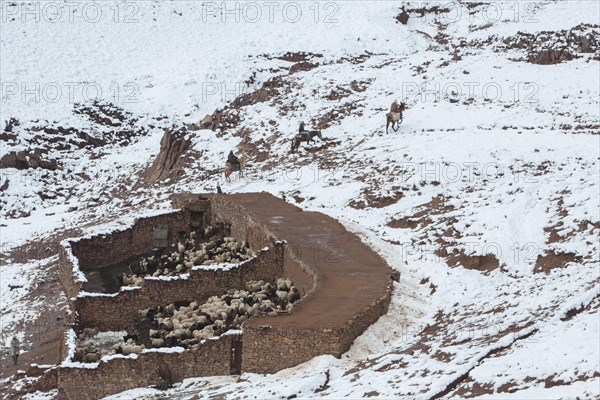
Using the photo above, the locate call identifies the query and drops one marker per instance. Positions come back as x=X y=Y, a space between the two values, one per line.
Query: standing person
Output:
x=15 y=349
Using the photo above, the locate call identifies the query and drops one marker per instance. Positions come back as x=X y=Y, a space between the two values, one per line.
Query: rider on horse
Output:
x=234 y=161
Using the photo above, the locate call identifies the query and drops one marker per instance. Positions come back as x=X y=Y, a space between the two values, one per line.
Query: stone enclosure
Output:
x=345 y=287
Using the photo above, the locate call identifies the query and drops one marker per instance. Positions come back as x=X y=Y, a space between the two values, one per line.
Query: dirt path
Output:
x=350 y=275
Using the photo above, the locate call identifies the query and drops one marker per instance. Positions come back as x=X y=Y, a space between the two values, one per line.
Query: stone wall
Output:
x=105 y=250
x=243 y=225
x=356 y=326
x=93 y=253
x=269 y=348
x=149 y=368
x=303 y=276
x=120 y=311
x=71 y=285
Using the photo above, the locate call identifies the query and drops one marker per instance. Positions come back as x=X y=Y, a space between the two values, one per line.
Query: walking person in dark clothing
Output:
x=15 y=349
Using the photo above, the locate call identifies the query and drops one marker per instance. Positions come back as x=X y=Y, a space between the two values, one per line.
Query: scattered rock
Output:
x=302 y=66
x=402 y=17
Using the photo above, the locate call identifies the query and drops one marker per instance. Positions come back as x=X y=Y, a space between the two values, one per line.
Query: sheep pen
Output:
x=188 y=324
x=190 y=251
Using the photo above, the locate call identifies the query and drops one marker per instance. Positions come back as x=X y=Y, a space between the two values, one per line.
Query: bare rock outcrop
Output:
x=169 y=162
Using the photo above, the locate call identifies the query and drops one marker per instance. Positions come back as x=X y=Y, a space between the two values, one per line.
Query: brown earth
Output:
x=553 y=260
x=484 y=263
x=372 y=199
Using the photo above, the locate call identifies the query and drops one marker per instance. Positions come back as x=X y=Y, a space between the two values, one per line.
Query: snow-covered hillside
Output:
x=486 y=198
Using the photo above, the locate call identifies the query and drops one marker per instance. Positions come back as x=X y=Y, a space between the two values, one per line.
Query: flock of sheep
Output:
x=181 y=257
x=188 y=324
x=90 y=350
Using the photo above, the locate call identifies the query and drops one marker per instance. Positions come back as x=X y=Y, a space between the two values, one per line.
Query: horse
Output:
x=305 y=137
x=393 y=118
x=231 y=168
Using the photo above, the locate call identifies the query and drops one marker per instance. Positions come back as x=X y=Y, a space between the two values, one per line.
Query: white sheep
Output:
x=219 y=324
x=252 y=310
x=187 y=325
x=281 y=294
x=200 y=254
x=153 y=333
x=293 y=294
x=135 y=281
x=91 y=357
x=259 y=297
x=198 y=334
x=180 y=333
x=254 y=286
x=165 y=323
x=89 y=332
x=132 y=349
x=267 y=287
x=282 y=284
x=128 y=280
x=177 y=325
x=81 y=351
